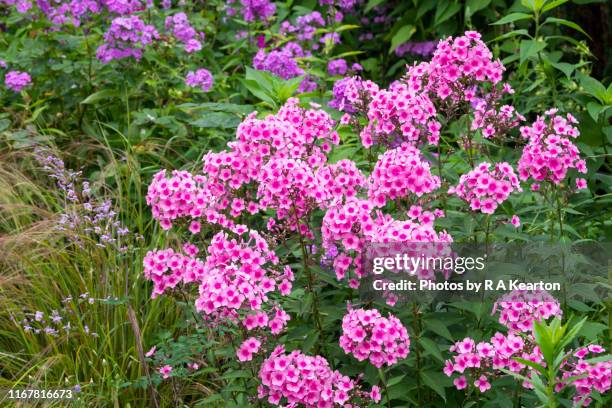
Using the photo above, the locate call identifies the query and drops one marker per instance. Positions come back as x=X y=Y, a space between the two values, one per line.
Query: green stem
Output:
x=559 y=215
x=383 y=379
x=417 y=349
x=309 y=277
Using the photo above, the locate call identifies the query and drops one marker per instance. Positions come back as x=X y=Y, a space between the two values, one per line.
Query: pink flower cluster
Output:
x=292 y=143
x=549 y=154
x=295 y=378
x=127 y=37
x=181 y=195
x=239 y=274
x=17 y=80
x=485 y=188
x=179 y=25
x=367 y=335
x=591 y=376
x=520 y=308
x=248 y=347
x=458 y=66
x=288 y=186
x=455 y=81
x=401 y=114
x=494 y=120
x=168 y=268
x=235 y=282
x=482 y=362
x=399 y=172
x=347 y=228
x=478 y=363
x=342 y=181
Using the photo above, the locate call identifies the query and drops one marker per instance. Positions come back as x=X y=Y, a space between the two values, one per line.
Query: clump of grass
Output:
x=42 y=267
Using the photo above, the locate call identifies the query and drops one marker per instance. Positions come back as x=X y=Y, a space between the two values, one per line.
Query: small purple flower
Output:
x=422 y=49
x=184 y=32
x=337 y=67
x=17 y=80
x=339 y=101
x=257 y=10
x=202 y=78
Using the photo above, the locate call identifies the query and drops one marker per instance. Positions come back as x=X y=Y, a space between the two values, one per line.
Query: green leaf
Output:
x=263 y=79
x=445 y=13
x=594 y=110
x=552 y=5
x=217 y=106
x=539 y=388
x=566 y=23
x=530 y=48
x=513 y=33
x=402 y=35
x=99 y=96
x=477 y=5
x=236 y=374
x=600 y=359
x=530 y=4
x=591 y=330
x=222 y=120
x=431 y=347
x=372 y=4
x=571 y=334
x=544 y=341
x=254 y=88
x=433 y=380
x=538 y=367
x=310 y=341
x=395 y=380
x=439 y=328
x=564 y=67
x=595 y=88
x=4 y=124
x=512 y=17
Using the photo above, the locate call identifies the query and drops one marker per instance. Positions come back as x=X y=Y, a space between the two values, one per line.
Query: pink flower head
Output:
x=519 y=309
x=368 y=335
x=165 y=371
x=398 y=173
x=550 y=153
x=485 y=188
x=482 y=384
x=296 y=378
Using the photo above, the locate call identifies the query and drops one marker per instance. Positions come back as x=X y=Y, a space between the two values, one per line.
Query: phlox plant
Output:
x=273 y=205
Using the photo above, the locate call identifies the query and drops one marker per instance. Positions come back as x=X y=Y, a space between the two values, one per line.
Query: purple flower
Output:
x=257 y=10
x=17 y=80
x=184 y=32
x=339 y=101
x=278 y=62
x=423 y=49
x=126 y=37
x=202 y=78
x=337 y=67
